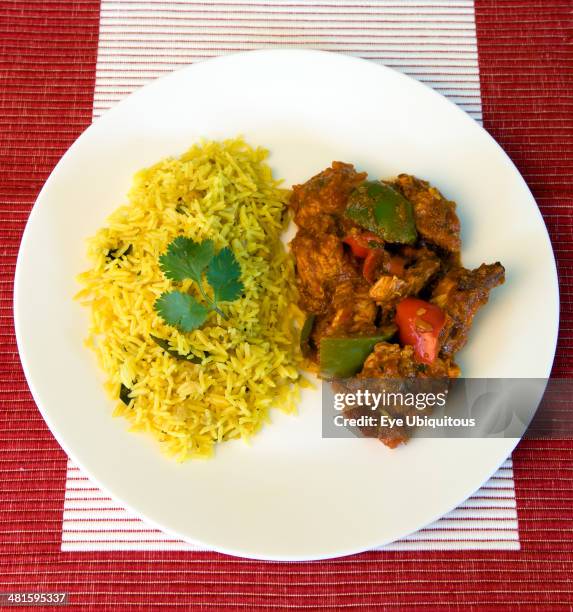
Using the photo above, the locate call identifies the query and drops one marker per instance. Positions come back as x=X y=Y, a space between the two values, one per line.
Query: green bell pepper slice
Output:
x=383 y=210
x=344 y=357
x=305 y=335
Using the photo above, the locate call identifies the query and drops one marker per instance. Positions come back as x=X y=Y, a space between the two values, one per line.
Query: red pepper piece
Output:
x=396 y=265
x=373 y=265
x=362 y=244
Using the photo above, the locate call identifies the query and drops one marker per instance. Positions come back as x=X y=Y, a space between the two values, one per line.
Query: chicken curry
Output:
x=380 y=277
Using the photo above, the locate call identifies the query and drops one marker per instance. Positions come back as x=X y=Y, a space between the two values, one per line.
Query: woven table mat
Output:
x=507 y=63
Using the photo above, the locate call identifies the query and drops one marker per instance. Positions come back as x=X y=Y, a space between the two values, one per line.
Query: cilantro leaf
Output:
x=186 y=259
x=181 y=310
x=224 y=275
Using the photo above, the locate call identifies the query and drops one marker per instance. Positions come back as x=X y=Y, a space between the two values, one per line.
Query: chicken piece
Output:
x=436 y=218
x=394 y=370
x=421 y=265
x=320 y=263
x=388 y=290
x=351 y=296
x=394 y=361
x=351 y=312
x=460 y=294
x=316 y=202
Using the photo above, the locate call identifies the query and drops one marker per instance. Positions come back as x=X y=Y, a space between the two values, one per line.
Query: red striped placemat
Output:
x=508 y=60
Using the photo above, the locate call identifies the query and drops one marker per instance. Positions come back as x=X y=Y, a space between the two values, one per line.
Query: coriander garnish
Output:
x=187 y=259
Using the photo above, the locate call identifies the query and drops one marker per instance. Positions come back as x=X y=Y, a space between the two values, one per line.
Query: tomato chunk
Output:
x=419 y=325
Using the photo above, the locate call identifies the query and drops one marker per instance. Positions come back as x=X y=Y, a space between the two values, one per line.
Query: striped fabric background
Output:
x=486 y=521
x=53 y=56
x=435 y=43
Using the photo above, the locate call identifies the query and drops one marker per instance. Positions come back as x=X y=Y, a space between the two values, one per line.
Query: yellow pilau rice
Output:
x=219 y=191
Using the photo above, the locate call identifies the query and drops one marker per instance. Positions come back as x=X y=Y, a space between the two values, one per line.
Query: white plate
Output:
x=291 y=494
